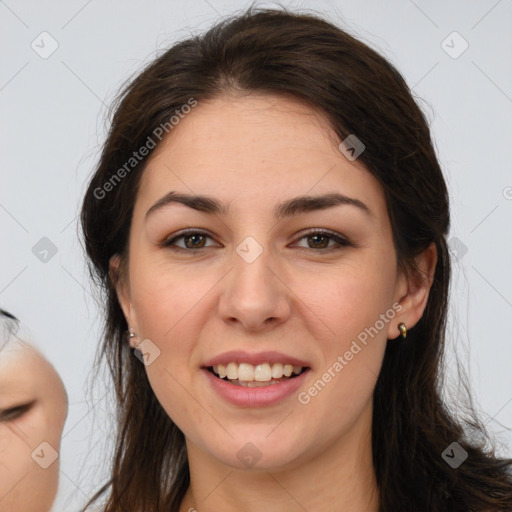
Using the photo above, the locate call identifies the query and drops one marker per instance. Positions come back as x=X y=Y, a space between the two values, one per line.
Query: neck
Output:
x=341 y=477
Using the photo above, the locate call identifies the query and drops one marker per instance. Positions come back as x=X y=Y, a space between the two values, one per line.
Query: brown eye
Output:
x=192 y=240
x=321 y=239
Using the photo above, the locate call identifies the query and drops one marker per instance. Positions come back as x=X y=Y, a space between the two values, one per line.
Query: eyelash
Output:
x=14 y=413
x=340 y=241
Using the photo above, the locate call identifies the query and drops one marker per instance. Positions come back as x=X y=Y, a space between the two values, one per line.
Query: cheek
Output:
x=347 y=298
x=15 y=459
x=163 y=295
x=169 y=316
x=355 y=302
x=167 y=305
x=25 y=485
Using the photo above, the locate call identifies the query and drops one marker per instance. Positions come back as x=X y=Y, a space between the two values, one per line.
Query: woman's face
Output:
x=255 y=283
x=33 y=409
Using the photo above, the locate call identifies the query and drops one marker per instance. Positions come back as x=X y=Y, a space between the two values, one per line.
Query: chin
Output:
x=258 y=452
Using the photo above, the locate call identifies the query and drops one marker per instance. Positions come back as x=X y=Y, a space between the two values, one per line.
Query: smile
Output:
x=248 y=375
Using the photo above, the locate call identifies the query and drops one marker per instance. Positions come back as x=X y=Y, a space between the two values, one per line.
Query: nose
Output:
x=255 y=297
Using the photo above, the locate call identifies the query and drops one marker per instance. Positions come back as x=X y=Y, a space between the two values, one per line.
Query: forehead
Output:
x=23 y=369
x=243 y=136
x=258 y=148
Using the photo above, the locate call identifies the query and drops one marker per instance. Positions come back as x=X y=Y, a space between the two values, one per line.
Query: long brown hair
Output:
x=300 y=55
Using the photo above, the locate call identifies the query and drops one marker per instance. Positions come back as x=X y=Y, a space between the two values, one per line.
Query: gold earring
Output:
x=403 y=329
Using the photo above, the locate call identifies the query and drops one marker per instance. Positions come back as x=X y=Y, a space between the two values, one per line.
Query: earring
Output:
x=403 y=329
x=131 y=333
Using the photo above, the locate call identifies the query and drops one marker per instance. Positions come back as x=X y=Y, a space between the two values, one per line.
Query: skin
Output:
x=251 y=153
x=27 y=378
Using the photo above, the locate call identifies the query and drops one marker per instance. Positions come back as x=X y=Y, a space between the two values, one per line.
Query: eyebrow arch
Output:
x=288 y=208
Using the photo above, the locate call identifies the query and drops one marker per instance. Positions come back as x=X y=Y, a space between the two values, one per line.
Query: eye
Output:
x=321 y=240
x=193 y=239
x=14 y=413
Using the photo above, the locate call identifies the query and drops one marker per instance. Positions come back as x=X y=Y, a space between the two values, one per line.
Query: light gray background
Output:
x=53 y=122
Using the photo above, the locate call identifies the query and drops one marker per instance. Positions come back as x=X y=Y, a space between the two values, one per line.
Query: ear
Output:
x=121 y=283
x=412 y=291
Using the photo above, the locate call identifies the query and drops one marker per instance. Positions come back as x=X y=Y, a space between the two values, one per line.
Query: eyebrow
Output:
x=288 y=208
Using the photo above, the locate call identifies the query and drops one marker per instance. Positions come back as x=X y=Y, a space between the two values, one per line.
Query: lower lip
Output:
x=257 y=396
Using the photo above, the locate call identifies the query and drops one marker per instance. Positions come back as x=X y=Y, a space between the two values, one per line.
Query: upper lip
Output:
x=240 y=356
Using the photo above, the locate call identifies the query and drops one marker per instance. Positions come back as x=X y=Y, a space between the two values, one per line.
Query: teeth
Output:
x=262 y=373
x=231 y=371
x=277 y=370
x=246 y=372
x=252 y=375
x=253 y=384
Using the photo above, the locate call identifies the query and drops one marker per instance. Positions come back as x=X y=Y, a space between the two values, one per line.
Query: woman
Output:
x=33 y=411
x=268 y=221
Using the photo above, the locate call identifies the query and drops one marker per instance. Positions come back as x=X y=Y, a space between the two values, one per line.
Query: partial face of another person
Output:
x=33 y=409
x=263 y=280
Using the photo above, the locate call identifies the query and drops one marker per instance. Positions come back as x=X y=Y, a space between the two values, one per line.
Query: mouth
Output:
x=260 y=375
